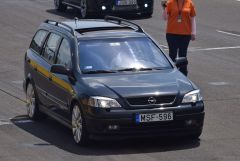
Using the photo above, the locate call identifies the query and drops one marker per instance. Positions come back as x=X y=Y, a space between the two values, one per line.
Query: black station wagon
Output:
x=100 y=7
x=108 y=78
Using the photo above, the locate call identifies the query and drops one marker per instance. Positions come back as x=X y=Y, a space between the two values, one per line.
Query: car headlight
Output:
x=102 y=102
x=192 y=97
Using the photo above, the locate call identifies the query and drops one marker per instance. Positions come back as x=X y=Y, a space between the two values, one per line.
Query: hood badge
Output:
x=152 y=100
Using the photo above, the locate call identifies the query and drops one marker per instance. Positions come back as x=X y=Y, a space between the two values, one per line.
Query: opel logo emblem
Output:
x=152 y=100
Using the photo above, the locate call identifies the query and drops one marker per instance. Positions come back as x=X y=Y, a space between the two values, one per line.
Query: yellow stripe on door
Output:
x=62 y=83
x=55 y=79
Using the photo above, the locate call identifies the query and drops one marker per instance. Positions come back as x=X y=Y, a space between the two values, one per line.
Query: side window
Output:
x=38 y=41
x=64 y=54
x=51 y=47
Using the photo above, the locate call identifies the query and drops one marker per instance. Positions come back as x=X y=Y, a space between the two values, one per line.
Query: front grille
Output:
x=166 y=99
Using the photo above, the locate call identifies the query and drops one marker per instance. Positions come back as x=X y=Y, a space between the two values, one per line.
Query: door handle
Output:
x=28 y=60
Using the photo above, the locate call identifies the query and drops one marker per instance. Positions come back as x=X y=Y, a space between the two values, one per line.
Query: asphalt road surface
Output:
x=214 y=66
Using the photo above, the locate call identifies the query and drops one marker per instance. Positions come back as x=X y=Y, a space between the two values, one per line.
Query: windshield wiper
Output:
x=159 y=68
x=121 y=70
x=140 y=69
x=127 y=69
x=98 y=71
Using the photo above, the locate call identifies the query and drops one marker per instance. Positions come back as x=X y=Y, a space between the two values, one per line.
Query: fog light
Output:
x=104 y=8
x=146 y=5
x=189 y=122
x=113 y=127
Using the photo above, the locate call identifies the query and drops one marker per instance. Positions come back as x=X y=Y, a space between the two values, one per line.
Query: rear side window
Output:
x=38 y=41
x=51 y=46
x=64 y=54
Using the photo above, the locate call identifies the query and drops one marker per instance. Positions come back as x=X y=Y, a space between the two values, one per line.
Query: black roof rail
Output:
x=66 y=27
x=124 y=22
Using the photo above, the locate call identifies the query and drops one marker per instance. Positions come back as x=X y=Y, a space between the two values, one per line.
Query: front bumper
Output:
x=111 y=7
x=98 y=122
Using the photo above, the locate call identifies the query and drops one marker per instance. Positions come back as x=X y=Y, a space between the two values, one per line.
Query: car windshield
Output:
x=121 y=54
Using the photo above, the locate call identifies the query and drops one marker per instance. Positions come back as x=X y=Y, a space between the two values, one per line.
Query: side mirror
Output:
x=181 y=62
x=60 y=69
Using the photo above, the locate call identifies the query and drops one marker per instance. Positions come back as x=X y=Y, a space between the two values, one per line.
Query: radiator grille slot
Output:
x=138 y=101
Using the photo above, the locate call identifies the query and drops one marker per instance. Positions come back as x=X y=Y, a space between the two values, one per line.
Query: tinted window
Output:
x=51 y=47
x=121 y=53
x=64 y=54
x=38 y=41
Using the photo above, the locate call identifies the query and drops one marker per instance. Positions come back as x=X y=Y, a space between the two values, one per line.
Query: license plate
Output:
x=154 y=117
x=126 y=2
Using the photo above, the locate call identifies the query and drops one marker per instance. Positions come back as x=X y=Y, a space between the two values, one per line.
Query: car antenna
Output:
x=76 y=19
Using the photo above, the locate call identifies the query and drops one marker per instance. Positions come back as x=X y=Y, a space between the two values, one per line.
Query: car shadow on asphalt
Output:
x=54 y=134
x=72 y=13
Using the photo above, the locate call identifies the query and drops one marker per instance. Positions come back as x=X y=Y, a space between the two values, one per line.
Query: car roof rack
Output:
x=84 y=30
x=121 y=21
x=59 y=24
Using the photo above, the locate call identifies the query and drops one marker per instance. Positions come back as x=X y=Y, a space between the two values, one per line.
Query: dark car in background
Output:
x=101 y=7
x=108 y=78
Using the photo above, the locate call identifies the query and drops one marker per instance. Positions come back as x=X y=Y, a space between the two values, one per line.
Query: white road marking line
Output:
x=5 y=122
x=218 y=83
x=228 y=33
x=164 y=46
x=192 y=49
x=219 y=48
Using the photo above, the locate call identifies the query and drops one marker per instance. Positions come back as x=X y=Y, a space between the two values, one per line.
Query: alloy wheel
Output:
x=56 y=3
x=77 y=124
x=83 y=6
x=31 y=101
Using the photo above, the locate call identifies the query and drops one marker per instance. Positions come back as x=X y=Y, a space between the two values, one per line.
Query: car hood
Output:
x=132 y=84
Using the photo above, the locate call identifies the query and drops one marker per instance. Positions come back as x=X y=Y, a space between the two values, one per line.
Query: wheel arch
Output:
x=74 y=102
x=28 y=80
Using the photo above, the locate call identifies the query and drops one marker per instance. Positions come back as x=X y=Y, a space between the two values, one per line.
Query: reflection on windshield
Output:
x=120 y=53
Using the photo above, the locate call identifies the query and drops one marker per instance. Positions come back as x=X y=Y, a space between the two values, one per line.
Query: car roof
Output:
x=83 y=24
x=95 y=28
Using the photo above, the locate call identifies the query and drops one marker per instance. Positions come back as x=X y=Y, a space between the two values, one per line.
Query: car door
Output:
x=43 y=69
x=33 y=59
x=61 y=87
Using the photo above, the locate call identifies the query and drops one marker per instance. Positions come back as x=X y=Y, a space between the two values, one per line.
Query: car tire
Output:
x=147 y=14
x=59 y=6
x=83 y=9
x=32 y=103
x=79 y=130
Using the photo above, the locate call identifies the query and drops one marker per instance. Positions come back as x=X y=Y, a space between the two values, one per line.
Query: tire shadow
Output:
x=60 y=136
